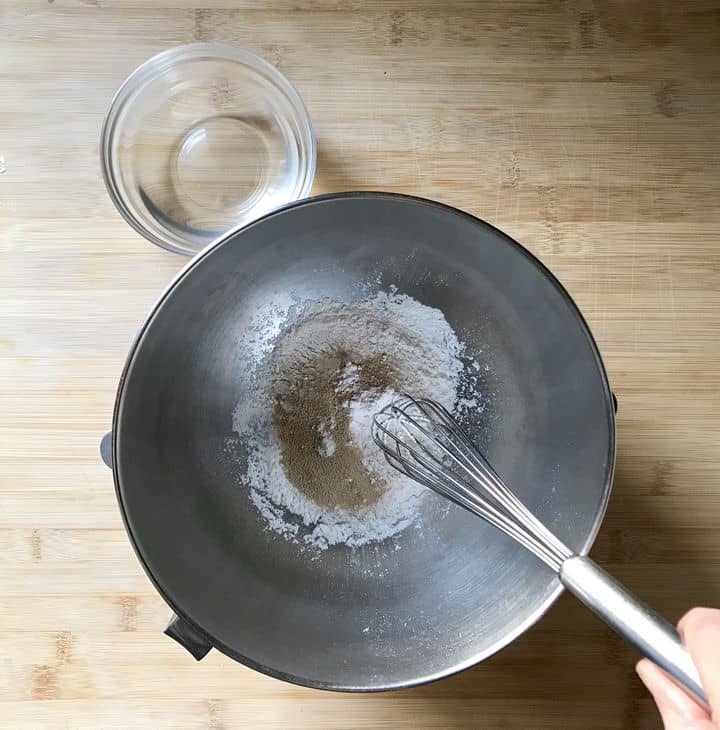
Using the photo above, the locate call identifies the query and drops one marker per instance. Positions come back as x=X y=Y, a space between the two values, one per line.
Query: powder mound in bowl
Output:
x=313 y=470
x=312 y=421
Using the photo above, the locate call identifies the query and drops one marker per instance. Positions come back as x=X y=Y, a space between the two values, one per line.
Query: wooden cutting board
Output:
x=587 y=130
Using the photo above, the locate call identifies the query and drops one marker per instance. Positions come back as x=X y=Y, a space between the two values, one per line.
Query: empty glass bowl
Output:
x=201 y=139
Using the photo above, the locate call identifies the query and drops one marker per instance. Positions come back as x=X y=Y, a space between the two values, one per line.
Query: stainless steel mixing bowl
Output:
x=436 y=599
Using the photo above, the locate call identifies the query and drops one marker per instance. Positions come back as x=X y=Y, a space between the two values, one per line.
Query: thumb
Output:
x=677 y=709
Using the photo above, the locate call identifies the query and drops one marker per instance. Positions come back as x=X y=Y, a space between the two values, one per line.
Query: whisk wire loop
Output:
x=422 y=440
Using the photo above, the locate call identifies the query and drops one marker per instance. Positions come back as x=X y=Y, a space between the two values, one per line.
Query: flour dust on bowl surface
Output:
x=320 y=608
x=314 y=472
x=202 y=139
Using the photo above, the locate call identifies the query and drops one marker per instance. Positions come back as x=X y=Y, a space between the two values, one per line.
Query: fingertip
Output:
x=641 y=668
x=696 y=617
x=675 y=706
x=650 y=673
x=699 y=629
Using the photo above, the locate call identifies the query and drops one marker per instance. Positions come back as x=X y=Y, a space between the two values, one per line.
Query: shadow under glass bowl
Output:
x=201 y=139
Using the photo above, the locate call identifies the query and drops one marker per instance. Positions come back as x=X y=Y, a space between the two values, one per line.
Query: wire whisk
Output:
x=422 y=440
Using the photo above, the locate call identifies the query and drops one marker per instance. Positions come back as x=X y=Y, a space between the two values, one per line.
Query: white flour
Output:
x=327 y=444
x=423 y=354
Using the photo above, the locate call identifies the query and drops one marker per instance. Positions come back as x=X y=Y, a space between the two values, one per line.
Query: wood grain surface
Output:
x=590 y=131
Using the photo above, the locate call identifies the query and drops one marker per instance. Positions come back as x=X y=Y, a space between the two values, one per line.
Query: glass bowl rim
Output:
x=149 y=70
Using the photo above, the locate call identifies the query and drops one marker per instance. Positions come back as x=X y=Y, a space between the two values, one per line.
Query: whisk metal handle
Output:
x=636 y=622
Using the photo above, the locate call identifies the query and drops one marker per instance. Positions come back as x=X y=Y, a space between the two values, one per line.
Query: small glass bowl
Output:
x=202 y=139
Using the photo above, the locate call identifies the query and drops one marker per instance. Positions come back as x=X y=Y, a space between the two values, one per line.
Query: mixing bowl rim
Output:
x=496 y=646
x=149 y=69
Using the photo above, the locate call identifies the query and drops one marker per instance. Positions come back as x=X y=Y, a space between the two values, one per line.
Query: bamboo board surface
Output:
x=588 y=131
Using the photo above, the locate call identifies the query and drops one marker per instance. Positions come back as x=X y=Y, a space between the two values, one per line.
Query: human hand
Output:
x=700 y=632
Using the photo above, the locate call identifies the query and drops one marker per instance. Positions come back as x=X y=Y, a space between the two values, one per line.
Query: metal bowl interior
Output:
x=436 y=599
